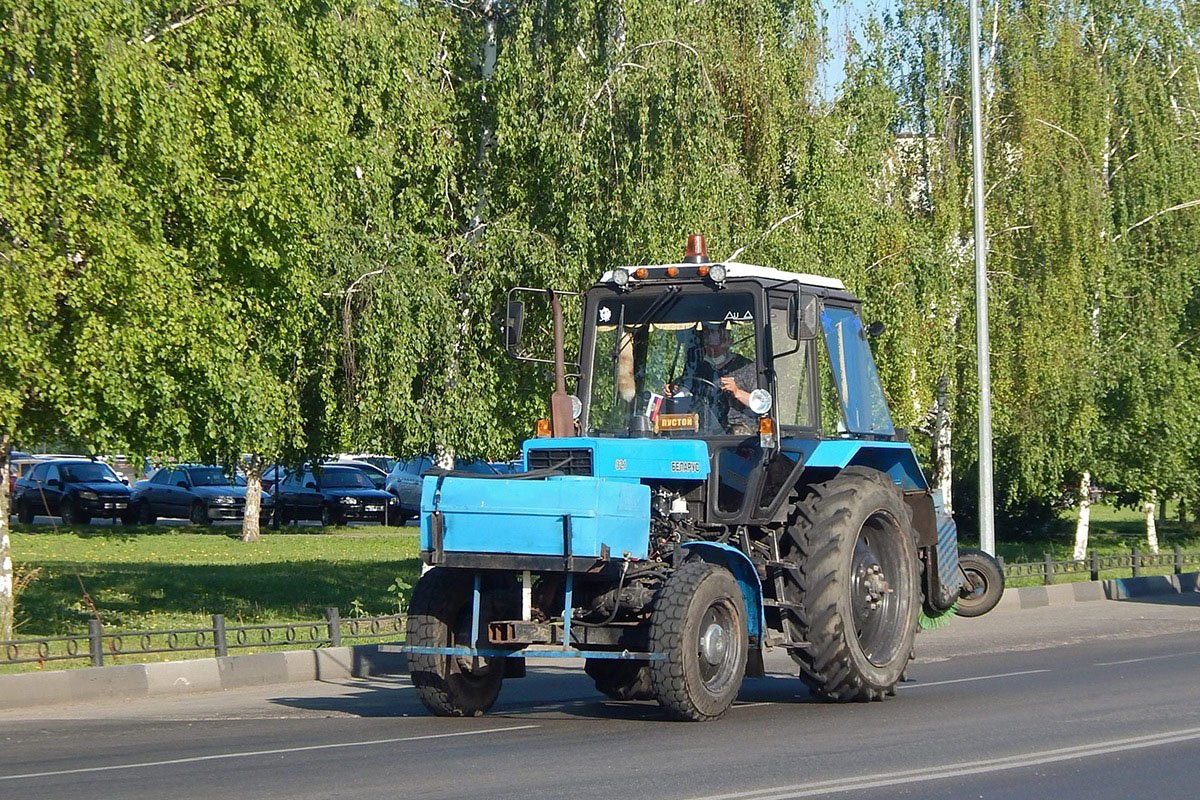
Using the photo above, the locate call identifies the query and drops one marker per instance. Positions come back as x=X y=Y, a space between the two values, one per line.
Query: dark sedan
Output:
x=203 y=494
x=75 y=489
x=334 y=495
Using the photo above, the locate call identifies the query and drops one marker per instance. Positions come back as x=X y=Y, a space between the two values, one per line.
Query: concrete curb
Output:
x=1116 y=589
x=131 y=681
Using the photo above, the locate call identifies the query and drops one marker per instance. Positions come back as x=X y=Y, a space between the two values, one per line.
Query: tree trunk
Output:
x=7 y=593
x=1085 y=516
x=253 y=506
x=1151 y=532
x=942 y=472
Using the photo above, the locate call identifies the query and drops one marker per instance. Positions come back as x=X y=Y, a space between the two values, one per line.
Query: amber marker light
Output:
x=702 y=270
x=543 y=429
x=672 y=272
x=641 y=273
x=766 y=427
x=697 y=250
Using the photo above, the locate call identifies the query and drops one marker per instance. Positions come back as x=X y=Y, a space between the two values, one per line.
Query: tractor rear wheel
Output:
x=699 y=623
x=440 y=616
x=853 y=588
x=986 y=583
x=621 y=679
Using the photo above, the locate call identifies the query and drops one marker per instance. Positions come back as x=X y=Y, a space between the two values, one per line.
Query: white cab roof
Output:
x=735 y=269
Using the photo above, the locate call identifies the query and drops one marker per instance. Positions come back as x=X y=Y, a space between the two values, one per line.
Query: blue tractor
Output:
x=727 y=479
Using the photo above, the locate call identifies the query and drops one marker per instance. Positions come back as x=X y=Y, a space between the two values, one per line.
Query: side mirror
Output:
x=310 y=485
x=875 y=328
x=802 y=317
x=54 y=482
x=181 y=484
x=125 y=481
x=514 y=322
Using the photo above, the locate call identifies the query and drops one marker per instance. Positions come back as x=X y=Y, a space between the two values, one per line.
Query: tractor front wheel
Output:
x=699 y=623
x=853 y=586
x=440 y=616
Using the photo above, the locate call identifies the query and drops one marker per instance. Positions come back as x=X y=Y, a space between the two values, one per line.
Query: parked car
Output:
x=377 y=476
x=404 y=481
x=384 y=463
x=334 y=495
x=75 y=489
x=201 y=493
x=19 y=465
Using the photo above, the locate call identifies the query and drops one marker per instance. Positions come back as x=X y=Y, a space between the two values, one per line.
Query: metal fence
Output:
x=99 y=645
x=1135 y=561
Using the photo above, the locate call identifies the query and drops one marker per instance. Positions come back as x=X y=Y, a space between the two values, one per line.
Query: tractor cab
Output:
x=748 y=359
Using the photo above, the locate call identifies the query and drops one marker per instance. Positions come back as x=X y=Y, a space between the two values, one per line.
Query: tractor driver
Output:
x=723 y=380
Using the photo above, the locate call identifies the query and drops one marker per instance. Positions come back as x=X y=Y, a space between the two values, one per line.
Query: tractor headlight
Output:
x=717 y=273
x=760 y=401
x=88 y=496
x=576 y=407
x=620 y=276
x=350 y=501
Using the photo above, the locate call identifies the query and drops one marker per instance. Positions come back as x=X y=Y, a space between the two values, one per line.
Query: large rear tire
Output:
x=621 y=679
x=853 y=590
x=699 y=623
x=984 y=573
x=440 y=616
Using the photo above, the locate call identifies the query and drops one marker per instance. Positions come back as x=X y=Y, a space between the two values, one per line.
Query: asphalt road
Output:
x=1096 y=700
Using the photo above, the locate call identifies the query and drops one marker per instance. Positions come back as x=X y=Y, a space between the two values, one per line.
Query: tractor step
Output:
x=771 y=602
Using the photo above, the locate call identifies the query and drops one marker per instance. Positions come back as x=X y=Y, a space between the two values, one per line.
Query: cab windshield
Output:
x=673 y=364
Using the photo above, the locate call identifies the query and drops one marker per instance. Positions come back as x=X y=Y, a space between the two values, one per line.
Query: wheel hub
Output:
x=713 y=643
x=873 y=585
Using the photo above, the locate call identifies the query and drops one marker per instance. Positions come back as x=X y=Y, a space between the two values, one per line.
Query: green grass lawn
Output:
x=1112 y=531
x=144 y=578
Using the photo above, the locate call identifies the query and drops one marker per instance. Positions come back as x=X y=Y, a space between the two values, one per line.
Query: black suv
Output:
x=197 y=492
x=75 y=489
x=334 y=495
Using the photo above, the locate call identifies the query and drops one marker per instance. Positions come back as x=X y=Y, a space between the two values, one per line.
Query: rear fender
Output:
x=743 y=571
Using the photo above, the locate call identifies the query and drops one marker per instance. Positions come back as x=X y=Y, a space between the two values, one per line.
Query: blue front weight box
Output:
x=525 y=517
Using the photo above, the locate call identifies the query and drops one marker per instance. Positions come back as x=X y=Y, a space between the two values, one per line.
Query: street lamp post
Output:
x=987 y=532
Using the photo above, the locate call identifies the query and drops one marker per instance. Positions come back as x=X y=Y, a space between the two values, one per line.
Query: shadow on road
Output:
x=555 y=692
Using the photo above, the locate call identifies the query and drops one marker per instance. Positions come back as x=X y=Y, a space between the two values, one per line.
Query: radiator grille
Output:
x=578 y=461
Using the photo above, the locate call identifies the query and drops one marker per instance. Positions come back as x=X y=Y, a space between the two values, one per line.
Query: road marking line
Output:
x=1147 y=658
x=959 y=770
x=966 y=680
x=752 y=705
x=277 y=751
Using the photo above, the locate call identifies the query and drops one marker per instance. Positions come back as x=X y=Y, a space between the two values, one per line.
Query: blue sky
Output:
x=842 y=19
